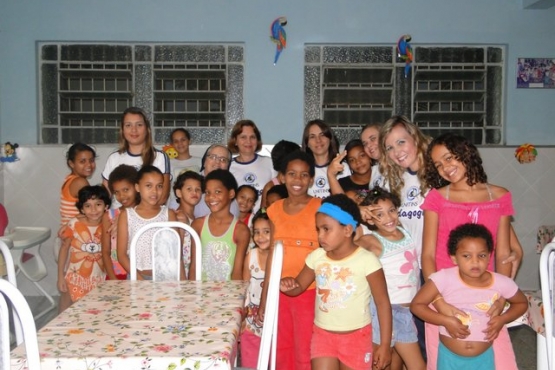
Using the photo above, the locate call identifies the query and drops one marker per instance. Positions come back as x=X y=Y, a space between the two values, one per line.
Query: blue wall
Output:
x=274 y=94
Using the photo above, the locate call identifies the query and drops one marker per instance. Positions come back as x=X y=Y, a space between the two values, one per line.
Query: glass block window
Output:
x=458 y=89
x=86 y=87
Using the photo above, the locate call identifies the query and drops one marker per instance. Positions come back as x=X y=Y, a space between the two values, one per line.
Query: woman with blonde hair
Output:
x=402 y=165
x=403 y=153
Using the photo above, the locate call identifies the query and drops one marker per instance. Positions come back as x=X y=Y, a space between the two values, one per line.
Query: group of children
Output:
x=351 y=272
x=345 y=278
x=139 y=193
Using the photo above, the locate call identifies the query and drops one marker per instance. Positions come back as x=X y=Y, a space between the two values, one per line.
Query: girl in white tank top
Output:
x=150 y=186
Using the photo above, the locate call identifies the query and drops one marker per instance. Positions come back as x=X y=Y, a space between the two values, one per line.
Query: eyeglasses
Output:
x=214 y=157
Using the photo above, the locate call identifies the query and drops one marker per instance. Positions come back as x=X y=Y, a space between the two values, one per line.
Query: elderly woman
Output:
x=217 y=156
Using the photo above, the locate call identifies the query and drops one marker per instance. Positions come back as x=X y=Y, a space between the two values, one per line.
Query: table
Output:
x=133 y=325
x=19 y=240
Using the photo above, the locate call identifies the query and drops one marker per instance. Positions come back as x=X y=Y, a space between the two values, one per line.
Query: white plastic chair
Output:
x=268 y=340
x=19 y=239
x=4 y=334
x=10 y=267
x=166 y=249
x=11 y=296
x=11 y=275
x=547 y=280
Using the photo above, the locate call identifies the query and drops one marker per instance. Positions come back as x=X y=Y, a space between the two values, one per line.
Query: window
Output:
x=457 y=89
x=86 y=87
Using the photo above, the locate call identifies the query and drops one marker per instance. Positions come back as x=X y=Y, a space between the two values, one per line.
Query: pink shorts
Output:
x=352 y=349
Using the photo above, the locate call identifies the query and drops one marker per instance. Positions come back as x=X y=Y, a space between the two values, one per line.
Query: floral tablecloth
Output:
x=535 y=315
x=545 y=235
x=132 y=325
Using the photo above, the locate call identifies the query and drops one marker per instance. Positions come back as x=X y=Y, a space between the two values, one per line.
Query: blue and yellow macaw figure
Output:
x=278 y=36
x=404 y=51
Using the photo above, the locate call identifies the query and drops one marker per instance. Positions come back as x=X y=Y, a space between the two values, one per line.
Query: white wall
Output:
x=273 y=95
x=32 y=197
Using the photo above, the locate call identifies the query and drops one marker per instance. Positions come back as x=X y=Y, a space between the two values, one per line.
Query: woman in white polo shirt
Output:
x=248 y=167
x=136 y=149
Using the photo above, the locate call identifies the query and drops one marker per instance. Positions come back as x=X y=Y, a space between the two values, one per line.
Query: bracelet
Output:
x=437 y=299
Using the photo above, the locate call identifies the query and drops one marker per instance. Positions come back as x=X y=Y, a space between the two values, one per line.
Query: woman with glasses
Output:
x=216 y=157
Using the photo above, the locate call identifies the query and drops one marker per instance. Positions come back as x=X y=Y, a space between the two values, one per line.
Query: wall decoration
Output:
x=538 y=73
x=404 y=52
x=170 y=151
x=9 y=152
x=278 y=36
x=526 y=153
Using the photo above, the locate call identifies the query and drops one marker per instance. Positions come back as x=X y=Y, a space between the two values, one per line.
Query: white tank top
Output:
x=143 y=250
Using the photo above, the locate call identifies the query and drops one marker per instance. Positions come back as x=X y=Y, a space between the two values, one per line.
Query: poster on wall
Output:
x=535 y=73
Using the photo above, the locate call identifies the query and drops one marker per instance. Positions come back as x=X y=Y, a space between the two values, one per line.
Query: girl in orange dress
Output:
x=81 y=161
x=294 y=223
x=82 y=242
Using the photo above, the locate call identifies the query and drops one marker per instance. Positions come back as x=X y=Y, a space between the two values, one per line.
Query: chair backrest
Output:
x=269 y=329
x=166 y=249
x=547 y=279
x=11 y=296
x=10 y=267
x=5 y=246
x=166 y=246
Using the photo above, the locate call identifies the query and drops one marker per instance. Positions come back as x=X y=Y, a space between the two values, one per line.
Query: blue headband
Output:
x=337 y=213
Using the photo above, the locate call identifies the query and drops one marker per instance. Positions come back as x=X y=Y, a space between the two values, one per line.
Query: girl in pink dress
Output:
x=461 y=194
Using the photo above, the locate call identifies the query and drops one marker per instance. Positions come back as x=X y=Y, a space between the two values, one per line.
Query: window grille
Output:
x=86 y=87
x=458 y=89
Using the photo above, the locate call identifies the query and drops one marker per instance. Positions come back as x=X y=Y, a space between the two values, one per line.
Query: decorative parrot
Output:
x=278 y=36
x=404 y=51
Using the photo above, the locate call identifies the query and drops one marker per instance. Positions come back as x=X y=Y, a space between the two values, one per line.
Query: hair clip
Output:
x=362 y=193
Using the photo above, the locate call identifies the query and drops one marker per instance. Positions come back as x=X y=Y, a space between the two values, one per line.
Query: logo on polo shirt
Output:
x=321 y=181
x=249 y=178
x=412 y=193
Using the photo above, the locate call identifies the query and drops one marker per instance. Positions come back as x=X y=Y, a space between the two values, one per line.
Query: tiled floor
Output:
x=37 y=304
x=522 y=337
x=524 y=345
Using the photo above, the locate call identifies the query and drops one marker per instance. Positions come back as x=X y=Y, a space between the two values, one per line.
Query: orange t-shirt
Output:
x=298 y=233
x=68 y=209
